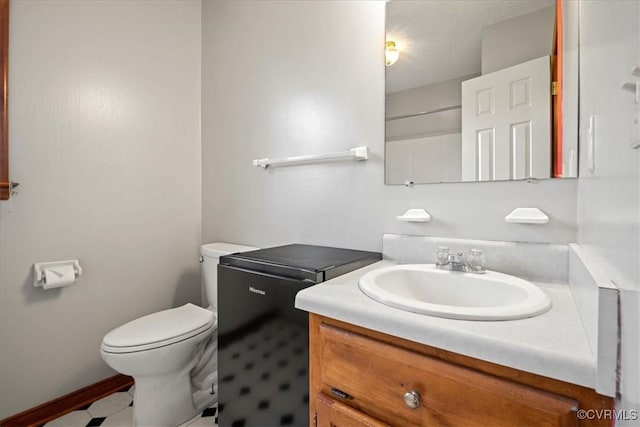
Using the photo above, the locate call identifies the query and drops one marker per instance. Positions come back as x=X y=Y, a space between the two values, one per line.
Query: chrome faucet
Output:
x=456 y=262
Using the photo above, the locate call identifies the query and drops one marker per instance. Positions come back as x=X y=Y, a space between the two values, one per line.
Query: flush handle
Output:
x=412 y=399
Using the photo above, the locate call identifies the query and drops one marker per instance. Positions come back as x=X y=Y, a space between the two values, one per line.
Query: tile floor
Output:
x=265 y=378
x=116 y=410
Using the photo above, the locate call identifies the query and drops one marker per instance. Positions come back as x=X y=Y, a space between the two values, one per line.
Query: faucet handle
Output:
x=442 y=255
x=476 y=260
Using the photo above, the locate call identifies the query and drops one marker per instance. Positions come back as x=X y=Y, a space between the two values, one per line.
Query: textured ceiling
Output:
x=440 y=39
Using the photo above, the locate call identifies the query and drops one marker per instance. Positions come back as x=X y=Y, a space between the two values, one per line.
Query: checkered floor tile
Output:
x=116 y=410
x=265 y=378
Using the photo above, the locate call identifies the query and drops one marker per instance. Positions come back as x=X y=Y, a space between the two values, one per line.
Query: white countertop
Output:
x=553 y=344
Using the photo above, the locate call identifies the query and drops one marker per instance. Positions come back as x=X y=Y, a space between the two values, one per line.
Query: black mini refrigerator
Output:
x=263 y=360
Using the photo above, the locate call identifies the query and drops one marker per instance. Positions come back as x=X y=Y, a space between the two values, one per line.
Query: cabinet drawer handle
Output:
x=412 y=399
x=340 y=393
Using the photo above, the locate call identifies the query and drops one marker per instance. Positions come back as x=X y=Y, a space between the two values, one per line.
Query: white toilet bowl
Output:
x=159 y=351
x=172 y=355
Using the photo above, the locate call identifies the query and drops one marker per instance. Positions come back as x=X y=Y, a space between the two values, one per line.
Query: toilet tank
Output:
x=211 y=254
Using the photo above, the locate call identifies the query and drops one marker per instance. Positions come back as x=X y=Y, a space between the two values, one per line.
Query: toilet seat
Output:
x=159 y=329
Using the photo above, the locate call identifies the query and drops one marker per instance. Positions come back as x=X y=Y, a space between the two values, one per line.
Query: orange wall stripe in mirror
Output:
x=557 y=100
x=5 y=190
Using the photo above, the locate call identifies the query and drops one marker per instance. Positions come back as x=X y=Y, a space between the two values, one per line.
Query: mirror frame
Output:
x=5 y=184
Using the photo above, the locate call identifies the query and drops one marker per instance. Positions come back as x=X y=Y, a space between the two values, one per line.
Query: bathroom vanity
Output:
x=361 y=377
x=374 y=365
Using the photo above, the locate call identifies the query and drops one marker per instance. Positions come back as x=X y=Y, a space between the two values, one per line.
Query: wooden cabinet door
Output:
x=332 y=413
x=376 y=375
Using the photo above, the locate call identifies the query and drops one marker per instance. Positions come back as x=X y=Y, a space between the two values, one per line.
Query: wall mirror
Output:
x=480 y=90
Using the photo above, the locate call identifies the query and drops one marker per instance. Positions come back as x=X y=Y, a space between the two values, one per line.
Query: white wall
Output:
x=424 y=98
x=570 y=86
x=609 y=198
x=517 y=40
x=308 y=77
x=105 y=126
x=105 y=142
x=422 y=160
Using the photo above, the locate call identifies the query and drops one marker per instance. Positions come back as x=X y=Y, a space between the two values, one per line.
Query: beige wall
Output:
x=105 y=142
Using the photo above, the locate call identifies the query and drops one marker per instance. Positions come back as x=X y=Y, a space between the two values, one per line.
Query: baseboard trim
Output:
x=58 y=407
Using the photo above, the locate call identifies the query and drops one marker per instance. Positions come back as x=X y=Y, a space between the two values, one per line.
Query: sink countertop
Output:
x=553 y=344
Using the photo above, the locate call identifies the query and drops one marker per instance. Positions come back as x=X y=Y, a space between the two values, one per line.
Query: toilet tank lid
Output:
x=161 y=326
x=216 y=250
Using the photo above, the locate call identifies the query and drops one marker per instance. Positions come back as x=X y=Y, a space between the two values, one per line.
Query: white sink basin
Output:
x=425 y=289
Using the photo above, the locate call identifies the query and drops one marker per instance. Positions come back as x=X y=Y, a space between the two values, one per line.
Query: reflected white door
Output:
x=506 y=123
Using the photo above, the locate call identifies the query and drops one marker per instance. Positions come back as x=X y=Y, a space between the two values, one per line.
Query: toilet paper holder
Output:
x=40 y=267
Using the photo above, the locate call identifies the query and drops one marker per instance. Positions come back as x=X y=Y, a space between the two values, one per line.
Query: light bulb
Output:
x=391 y=53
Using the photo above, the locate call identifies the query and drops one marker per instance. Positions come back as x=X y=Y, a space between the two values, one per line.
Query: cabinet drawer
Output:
x=376 y=375
x=332 y=413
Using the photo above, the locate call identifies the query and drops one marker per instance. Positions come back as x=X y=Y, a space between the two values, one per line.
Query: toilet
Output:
x=172 y=354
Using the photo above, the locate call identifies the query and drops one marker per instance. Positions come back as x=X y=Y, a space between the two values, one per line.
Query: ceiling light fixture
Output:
x=391 y=53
